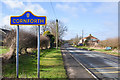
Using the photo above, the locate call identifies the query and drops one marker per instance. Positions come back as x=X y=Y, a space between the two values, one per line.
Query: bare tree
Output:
x=76 y=40
x=61 y=28
x=44 y=28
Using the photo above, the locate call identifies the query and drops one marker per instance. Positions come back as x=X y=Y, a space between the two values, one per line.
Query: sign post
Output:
x=27 y=18
x=38 y=68
x=17 y=52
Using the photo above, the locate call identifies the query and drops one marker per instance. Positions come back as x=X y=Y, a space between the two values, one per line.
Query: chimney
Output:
x=90 y=35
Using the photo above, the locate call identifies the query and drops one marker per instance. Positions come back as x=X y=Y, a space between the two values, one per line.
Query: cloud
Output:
x=73 y=9
x=65 y=20
x=66 y=7
x=111 y=25
x=20 y=7
x=13 y=4
x=35 y=8
x=82 y=8
x=107 y=8
x=6 y=23
x=6 y=20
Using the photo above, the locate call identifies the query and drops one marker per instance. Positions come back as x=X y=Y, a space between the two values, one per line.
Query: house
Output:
x=3 y=32
x=89 y=41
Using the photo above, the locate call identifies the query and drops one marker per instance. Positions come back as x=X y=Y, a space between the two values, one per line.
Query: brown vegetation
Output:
x=52 y=28
x=26 y=40
x=44 y=42
x=111 y=42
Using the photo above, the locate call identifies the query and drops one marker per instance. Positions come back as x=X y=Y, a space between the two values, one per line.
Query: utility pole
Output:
x=56 y=33
x=77 y=39
x=82 y=36
x=82 y=33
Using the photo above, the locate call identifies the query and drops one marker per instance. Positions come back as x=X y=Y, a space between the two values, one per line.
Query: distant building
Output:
x=3 y=32
x=90 y=40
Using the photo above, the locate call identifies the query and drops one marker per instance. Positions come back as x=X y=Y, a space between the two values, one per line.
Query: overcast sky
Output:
x=97 y=18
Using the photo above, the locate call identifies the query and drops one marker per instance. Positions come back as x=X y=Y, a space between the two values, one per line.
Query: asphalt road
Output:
x=100 y=64
x=73 y=69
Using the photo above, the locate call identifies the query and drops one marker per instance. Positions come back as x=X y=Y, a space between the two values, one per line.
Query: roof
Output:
x=4 y=31
x=90 y=37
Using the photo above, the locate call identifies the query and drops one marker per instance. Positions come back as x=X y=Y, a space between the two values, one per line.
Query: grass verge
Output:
x=99 y=50
x=51 y=65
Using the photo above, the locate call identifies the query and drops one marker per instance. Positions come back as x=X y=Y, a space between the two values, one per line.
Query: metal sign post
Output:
x=27 y=18
x=38 y=68
x=17 y=51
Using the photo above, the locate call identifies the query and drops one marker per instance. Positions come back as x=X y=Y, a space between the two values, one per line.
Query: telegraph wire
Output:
x=53 y=9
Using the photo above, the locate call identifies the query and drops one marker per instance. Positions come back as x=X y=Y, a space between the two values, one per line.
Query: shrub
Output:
x=26 y=40
x=46 y=33
x=111 y=42
x=51 y=37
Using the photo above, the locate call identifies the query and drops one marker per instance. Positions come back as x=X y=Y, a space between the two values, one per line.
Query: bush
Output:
x=111 y=42
x=44 y=42
x=51 y=38
x=46 y=33
x=26 y=40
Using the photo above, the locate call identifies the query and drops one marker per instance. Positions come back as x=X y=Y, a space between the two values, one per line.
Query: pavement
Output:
x=73 y=68
x=102 y=66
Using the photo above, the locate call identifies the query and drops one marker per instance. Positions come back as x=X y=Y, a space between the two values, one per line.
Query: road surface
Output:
x=102 y=66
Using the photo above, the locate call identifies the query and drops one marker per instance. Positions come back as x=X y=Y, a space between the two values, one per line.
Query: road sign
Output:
x=27 y=18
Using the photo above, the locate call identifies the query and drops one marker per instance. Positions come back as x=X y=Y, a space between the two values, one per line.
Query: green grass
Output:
x=3 y=50
x=27 y=67
x=51 y=65
x=100 y=50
